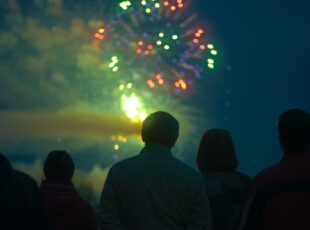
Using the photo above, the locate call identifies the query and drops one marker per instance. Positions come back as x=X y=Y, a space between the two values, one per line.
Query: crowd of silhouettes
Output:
x=155 y=191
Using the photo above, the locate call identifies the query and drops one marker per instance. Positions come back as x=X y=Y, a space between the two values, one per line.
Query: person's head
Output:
x=59 y=166
x=160 y=128
x=294 y=131
x=216 y=152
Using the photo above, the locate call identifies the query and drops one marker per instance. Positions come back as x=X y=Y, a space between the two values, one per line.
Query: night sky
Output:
x=264 y=48
x=267 y=45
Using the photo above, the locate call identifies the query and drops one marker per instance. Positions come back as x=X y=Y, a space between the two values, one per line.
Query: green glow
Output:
x=174 y=37
x=159 y=43
x=148 y=10
x=125 y=4
x=213 y=52
x=121 y=87
x=211 y=61
x=157 y=5
x=166 y=47
x=161 y=34
x=129 y=85
x=143 y=2
x=143 y=115
x=114 y=59
x=112 y=65
x=116 y=147
x=133 y=108
x=210 y=46
x=211 y=66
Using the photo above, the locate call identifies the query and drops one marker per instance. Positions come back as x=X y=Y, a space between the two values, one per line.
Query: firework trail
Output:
x=158 y=47
x=141 y=57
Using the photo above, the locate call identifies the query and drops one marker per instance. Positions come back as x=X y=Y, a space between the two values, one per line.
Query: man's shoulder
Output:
x=23 y=178
x=183 y=166
x=190 y=173
x=243 y=176
x=21 y=183
x=128 y=162
x=268 y=176
x=175 y=163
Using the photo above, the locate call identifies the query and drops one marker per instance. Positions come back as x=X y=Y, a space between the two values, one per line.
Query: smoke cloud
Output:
x=16 y=125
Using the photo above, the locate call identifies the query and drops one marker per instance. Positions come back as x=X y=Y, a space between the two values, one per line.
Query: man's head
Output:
x=294 y=131
x=59 y=166
x=160 y=128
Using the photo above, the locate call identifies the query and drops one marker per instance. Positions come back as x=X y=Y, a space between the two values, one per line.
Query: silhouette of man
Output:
x=281 y=193
x=154 y=190
x=19 y=199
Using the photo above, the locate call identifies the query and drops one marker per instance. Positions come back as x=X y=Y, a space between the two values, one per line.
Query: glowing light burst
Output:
x=155 y=36
x=125 y=5
x=113 y=64
x=144 y=56
x=160 y=49
x=133 y=108
x=100 y=34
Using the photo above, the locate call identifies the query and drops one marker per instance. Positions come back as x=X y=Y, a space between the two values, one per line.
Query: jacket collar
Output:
x=57 y=186
x=156 y=149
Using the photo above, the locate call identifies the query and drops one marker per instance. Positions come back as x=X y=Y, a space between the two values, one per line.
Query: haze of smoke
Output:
x=51 y=61
x=55 y=61
x=24 y=125
x=88 y=183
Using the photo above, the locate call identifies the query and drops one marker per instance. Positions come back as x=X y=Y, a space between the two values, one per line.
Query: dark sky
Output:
x=266 y=43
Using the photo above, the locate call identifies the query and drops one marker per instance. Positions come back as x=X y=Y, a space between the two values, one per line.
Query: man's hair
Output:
x=160 y=128
x=59 y=166
x=216 y=152
x=294 y=130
